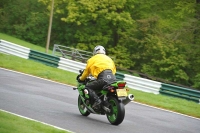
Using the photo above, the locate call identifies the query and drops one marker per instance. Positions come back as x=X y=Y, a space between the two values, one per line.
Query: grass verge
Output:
x=10 y=123
x=36 y=68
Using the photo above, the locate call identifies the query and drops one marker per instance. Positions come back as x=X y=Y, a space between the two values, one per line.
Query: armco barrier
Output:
x=44 y=58
x=181 y=92
x=70 y=65
x=73 y=66
x=119 y=76
x=14 y=49
x=142 y=84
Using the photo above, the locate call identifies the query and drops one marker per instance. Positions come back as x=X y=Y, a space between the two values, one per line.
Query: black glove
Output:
x=80 y=81
x=78 y=76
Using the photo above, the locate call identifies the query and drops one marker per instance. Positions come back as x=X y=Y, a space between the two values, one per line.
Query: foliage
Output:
x=24 y=20
x=121 y=57
x=98 y=22
x=159 y=38
x=166 y=62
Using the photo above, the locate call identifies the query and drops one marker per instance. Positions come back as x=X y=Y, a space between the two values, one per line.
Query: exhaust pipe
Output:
x=128 y=99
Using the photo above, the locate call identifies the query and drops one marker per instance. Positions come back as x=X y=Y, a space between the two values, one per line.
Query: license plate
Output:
x=121 y=92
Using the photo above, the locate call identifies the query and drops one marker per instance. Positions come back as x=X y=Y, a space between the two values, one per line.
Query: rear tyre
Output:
x=81 y=107
x=116 y=116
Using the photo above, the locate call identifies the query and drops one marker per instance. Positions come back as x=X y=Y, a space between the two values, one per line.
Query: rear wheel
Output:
x=116 y=116
x=81 y=107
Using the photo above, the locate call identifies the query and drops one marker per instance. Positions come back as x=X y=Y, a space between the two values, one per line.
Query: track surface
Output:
x=56 y=104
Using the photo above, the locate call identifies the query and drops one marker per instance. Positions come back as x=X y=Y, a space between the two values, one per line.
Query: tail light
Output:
x=121 y=85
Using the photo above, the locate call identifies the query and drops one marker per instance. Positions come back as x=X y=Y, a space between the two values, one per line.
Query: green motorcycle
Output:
x=113 y=95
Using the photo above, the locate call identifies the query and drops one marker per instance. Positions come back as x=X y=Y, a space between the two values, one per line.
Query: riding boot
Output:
x=96 y=103
x=95 y=98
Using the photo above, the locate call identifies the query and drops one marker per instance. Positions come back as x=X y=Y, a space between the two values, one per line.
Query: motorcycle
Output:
x=114 y=97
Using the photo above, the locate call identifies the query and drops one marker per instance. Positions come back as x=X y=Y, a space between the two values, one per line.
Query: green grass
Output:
x=36 y=68
x=10 y=123
x=22 y=43
x=170 y=103
x=55 y=74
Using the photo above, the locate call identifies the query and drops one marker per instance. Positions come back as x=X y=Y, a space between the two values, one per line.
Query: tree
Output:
x=97 y=23
x=22 y=18
x=164 y=37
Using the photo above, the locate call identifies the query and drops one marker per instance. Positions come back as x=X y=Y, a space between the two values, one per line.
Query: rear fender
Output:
x=118 y=84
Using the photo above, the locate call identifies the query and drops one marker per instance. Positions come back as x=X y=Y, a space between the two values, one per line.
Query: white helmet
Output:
x=99 y=50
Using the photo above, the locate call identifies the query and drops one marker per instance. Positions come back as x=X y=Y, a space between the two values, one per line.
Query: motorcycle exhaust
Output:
x=128 y=99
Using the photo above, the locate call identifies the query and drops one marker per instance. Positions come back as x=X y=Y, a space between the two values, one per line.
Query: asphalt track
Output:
x=56 y=104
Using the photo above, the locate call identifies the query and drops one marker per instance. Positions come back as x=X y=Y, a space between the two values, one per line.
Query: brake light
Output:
x=121 y=85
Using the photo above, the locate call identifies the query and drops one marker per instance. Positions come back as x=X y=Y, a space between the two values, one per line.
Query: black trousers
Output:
x=103 y=79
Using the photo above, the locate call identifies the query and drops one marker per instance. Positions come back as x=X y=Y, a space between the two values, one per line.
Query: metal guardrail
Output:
x=143 y=84
x=70 y=65
x=132 y=81
x=119 y=76
x=14 y=49
x=44 y=58
x=180 y=92
x=73 y=66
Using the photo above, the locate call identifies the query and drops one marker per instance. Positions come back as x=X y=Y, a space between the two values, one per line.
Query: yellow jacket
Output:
x=96 y=64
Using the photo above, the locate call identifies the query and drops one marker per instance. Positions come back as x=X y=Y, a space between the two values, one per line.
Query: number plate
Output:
x=121 y=92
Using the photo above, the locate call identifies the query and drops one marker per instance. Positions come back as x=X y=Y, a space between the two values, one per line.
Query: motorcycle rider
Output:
x=101 y=67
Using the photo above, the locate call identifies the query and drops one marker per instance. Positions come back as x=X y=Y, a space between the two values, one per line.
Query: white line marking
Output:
x=36 y=121
x=132 y=101
x=166 y=110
